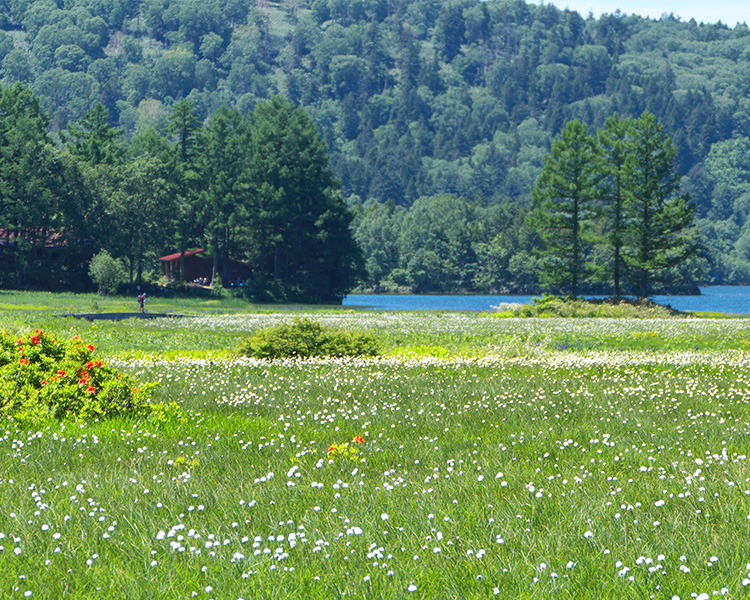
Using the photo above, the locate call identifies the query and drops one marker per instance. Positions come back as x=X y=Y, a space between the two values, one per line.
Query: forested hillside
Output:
x=426 y=105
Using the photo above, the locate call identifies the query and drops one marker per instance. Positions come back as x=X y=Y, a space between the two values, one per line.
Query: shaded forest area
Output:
x=438 y=115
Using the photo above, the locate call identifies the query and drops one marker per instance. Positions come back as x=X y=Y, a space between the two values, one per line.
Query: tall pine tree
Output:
x=660 y=231
x=563 y=206
x=299 y=222
x=614 y=139
x=184 y=128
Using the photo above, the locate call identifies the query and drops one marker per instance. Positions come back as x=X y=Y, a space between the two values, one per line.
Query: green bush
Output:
x=107 y=272
x=556 y=306
x=41 y=377
x=305 y=337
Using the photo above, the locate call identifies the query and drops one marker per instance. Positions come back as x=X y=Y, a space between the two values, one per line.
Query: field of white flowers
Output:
x=565 y=459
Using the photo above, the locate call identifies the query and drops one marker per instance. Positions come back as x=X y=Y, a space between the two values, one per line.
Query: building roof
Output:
x=51 y=238
x=176 y=255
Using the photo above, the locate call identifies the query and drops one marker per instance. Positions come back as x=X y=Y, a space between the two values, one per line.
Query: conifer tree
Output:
x=299 y=222
x=660 y=231
x=563 y=206
x=93 y=140
x=184 y=128
x=614 y=140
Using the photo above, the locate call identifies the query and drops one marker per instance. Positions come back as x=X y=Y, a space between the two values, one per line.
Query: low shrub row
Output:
x=556 y=306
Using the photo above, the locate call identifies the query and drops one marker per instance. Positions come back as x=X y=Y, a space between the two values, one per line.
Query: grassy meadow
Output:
x=479 y=457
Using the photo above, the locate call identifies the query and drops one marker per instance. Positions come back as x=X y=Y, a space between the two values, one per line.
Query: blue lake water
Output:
x=728 y=299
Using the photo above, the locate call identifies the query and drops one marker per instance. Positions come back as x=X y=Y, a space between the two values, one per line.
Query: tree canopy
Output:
x=254 y=190
x=413 y=100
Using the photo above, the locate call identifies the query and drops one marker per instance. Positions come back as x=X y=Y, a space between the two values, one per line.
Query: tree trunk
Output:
x=225 y=257
x=131 y=269
x=215 y=266
x=183 y=249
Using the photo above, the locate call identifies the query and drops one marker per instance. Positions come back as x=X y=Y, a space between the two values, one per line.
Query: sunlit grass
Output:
x=500 y=458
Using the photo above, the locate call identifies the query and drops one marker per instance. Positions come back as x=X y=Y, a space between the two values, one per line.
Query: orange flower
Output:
x=61 y=373
x=24 y=361
x=91 y=389
x=91 y=347
x=358 y=439
x=35 y=339
x=330 y=449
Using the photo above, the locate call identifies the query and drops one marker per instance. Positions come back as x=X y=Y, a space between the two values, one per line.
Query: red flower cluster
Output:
x=358 y=439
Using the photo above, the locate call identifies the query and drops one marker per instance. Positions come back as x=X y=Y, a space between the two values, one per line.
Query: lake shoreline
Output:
x=733 y=300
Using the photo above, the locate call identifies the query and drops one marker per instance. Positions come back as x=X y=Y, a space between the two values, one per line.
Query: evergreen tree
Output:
x=29 y=190
x=184 y=127
x=562 y=206
x=300 y=223
x=660 y=229
x=614 y=140
x=93 y=140
x=224 y=169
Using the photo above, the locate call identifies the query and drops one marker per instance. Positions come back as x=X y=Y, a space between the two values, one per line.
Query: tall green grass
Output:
x=528 y=477
x=509 y=458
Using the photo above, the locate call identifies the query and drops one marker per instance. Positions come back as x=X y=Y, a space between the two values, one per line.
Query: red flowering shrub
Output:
x=42 y=377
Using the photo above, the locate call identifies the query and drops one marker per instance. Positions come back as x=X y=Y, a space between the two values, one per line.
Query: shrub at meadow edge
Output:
x=550 y=305
x=41 y=377
x=305 y=338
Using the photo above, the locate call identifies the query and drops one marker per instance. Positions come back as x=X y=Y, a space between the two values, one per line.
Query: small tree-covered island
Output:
x=300 y=150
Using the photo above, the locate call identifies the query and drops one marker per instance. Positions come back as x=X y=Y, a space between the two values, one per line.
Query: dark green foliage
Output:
x=42 y=377
x=38 y=195
x=435 y=244
x=614 y=138
x=647 y=228
x=563 y=207
x=305 y=338
x=446 y=244
x=296 y=216
x=660 y=231
x=224 y=168
x=93 y=140
x=415 y=99
x=184 y=158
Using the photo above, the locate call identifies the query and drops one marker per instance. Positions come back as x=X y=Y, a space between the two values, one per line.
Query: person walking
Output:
x=142 y=301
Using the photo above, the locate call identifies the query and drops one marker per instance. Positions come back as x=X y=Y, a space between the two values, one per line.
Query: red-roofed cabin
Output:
x=198 y=269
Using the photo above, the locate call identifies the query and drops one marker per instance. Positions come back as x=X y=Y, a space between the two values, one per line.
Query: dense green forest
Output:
x=254 y=188
x=437 y=114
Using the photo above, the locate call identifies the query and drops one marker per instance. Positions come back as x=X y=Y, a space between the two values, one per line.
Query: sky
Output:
x=729 y=12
